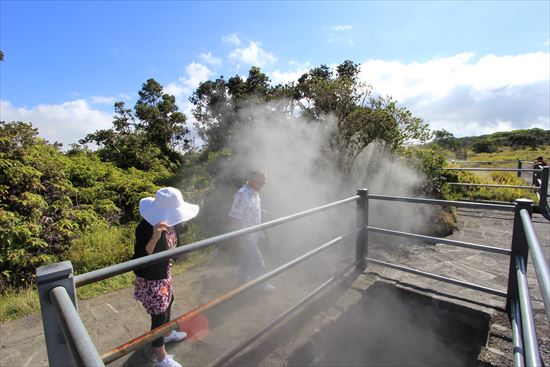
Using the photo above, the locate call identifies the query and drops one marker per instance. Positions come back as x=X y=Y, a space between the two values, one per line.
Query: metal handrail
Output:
x=522 y=321
x=532 y=355
x=80 y=344
x=110 y=271
x=520 y=160
x=461 y=283
x=494 y=185
x=133 y=344
x=539 y=260
x=517 y=335
x=494 y=169
x=460 y=204
x=431 y=239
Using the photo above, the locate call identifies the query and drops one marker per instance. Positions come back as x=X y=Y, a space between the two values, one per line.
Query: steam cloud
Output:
x=302 y=174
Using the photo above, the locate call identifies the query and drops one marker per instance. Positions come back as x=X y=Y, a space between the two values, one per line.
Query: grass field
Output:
x=495 y=160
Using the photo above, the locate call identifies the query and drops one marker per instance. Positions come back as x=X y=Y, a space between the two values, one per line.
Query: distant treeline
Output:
x=516 y=139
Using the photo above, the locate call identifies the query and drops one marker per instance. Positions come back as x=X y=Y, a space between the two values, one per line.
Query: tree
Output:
x=484 y=146
x=218 y=103
x=160 y=119
x=147 y=137
x=325 y=93
x=446 y=140
x=320 y=95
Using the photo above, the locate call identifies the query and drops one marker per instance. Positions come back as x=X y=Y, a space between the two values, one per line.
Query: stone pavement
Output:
x=115 y=318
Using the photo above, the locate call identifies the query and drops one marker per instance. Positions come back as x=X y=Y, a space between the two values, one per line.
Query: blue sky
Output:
x=469 y=67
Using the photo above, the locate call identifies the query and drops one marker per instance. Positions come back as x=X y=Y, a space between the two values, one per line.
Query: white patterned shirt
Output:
x=247 y=209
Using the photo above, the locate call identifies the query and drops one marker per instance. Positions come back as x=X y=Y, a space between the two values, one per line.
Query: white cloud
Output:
x=210 y=59
x=103 y=100
x=468 y=96
x=283 y=77
x=109 y=100
x=195 y=73
x=65 y=123
x=231 y=39
x=253 y=55
x=341 y=28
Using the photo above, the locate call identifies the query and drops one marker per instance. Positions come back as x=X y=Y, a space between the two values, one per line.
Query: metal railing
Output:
x=539 y=179
x=518 y=301
x=68 y=342
x=519 y=163
x=62 y=348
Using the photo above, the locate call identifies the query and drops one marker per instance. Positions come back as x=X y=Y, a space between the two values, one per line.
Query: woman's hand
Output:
x=157 y=232
x=158 y=229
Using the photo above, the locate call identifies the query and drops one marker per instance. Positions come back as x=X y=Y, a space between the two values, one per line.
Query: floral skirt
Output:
x=155 y=295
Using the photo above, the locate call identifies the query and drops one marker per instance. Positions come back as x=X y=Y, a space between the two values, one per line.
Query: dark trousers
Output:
x=158 y=320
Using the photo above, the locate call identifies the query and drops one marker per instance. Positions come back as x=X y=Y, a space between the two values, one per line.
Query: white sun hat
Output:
x=167 y=206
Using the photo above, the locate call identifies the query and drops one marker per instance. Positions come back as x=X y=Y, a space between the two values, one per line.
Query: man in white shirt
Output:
x=246 y=211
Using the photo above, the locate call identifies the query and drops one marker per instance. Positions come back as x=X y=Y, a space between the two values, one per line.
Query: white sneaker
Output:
x=175 y=336
x=168 y=361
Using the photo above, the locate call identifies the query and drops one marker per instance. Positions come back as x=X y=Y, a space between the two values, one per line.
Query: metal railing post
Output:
x=47 y=278
x=519 y=167
x=543 y=202
x=519 y=247
x=362 y=220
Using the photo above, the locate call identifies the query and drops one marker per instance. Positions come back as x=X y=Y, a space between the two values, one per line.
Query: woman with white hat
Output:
x=163 y=217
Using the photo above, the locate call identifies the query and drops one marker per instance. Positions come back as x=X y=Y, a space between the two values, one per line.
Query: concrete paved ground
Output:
x=115 y=318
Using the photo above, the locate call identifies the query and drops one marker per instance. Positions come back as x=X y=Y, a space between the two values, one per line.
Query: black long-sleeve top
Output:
x=144 y=232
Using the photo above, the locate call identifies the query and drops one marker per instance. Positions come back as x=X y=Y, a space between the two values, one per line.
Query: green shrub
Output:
x=100 y=246
x=48 y=199
x=489 y=193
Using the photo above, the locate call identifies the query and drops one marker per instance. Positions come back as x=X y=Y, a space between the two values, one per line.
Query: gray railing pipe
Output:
x=517 y=336
x=492 y=169
x=532 y=355
x=495 y=185
x=519 y=247
x=460 y=204
x=130 y=265
x=431 y=239
x=520 y=160
x=441 y=278
x=81 y=345
x=539 y=260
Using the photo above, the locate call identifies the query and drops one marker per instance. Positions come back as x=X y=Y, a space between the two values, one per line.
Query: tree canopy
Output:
x=147 y=137
x=320 y=95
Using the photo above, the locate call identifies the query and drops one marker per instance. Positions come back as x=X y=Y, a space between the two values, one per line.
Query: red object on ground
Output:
x=196 y=327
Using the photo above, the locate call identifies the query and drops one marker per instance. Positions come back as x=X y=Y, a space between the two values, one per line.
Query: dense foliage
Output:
x=48 y=198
